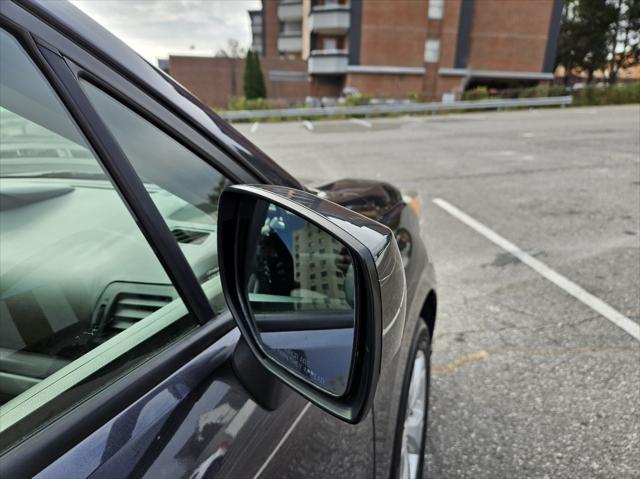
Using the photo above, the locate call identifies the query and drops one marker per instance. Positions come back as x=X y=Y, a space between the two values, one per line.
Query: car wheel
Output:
x=412 y=418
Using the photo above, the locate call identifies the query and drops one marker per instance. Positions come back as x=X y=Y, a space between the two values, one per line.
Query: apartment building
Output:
x=428 y=49
x=255 y=17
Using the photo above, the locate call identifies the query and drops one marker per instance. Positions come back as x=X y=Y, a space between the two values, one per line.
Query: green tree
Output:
x=599 y=35
x=260 y=86
x=624 y=41
x=247 y=77
x=253 y=80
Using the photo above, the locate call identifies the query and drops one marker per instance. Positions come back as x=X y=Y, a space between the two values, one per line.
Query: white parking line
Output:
x=281 y=442
x=567 y=285
x=254 y=127
x=359 y=121
x=308 y=125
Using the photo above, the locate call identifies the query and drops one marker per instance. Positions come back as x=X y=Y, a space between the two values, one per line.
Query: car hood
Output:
x=371 y=198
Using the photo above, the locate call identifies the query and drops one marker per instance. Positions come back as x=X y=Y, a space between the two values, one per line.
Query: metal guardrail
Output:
x=395 y=108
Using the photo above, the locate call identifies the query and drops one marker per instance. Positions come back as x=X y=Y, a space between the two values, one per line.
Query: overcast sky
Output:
x=156 y=28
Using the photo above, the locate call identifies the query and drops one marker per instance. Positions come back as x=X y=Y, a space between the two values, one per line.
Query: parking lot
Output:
x=527 y=380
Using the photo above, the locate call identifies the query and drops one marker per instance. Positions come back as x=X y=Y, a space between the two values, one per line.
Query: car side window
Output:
x=184 y=188
x=80 y=287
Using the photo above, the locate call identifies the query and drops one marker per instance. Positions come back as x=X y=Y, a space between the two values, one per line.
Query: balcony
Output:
x=290 y=11
x=330 y=19
x=290 y=42
x=328 y=62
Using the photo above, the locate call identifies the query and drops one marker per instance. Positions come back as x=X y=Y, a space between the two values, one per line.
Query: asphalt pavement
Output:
x=527 y=380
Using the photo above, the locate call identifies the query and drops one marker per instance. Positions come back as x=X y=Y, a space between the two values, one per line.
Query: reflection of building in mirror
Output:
x=320 y=268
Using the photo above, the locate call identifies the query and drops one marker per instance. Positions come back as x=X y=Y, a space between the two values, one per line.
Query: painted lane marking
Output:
x=254 y=127
x=308 y=125
x=281 y=442
x=361 y=122
x=599 y=306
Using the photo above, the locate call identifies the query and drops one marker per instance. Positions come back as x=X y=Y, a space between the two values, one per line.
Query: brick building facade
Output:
x=430 y=49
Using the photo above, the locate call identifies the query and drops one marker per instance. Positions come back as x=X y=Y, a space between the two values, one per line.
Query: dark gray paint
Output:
x=200 y=422
x=552 y=38
x=355 y=30
x=465 y=22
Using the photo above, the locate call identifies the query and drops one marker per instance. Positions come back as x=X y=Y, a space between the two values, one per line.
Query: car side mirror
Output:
x=318 y=292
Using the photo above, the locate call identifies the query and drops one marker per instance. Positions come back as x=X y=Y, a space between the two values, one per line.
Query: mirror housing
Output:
x=380 y=296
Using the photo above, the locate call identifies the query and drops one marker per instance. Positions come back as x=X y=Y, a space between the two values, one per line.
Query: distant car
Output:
x=175 y=304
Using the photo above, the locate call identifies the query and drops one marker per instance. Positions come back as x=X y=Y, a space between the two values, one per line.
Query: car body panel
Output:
x=200 y=422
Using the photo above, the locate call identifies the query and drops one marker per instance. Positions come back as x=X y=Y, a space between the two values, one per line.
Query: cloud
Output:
x=157 y=28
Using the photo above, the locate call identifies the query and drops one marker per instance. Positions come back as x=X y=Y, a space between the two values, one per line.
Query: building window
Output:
x=436 y=9
x=432 y=50
x=330 y=43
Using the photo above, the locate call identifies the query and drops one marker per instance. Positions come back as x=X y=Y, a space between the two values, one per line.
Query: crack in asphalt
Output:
x=484 y=355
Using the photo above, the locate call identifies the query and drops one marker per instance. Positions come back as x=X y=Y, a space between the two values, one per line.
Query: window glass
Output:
x=432 y=50
x=436 y=9
x=80 y=286
x=183 y=187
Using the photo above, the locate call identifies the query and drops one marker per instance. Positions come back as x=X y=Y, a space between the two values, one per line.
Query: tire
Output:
x=408 y=456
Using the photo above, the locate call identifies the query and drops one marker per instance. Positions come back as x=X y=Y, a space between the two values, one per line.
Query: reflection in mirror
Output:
x=301 y=288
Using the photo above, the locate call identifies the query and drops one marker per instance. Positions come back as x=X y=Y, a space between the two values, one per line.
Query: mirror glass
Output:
x=301 y=290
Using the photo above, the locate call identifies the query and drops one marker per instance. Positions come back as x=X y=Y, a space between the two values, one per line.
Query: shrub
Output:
x=478 y=93
x=558 y=90
x=537 y=91
x=355 y=100
x=620 y=94
x=242 y=103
